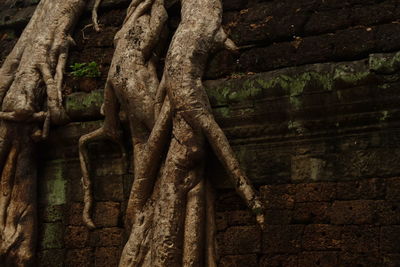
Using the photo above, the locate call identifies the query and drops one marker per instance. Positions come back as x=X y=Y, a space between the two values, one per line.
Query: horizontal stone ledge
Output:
x=295 y=90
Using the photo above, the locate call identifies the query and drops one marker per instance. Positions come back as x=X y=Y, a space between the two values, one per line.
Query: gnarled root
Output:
x=18 y=197
x=133 y=80
x=37 y=59
x=187 y=94
x=110 y=130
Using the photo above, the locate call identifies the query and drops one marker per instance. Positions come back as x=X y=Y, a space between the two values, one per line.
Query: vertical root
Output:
x=193 y=240
x=109 y=130
x=211 y=251
x=94 y=16
x=150 y=161
x=7 y=181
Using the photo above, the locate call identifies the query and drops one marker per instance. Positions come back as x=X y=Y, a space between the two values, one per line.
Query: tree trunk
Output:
x=30 y=97
x=169 y=216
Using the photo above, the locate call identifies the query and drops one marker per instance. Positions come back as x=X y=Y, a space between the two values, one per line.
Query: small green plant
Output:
x=90 y=70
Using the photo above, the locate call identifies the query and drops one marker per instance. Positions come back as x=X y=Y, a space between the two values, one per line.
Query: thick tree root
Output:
x=186 y=92
x=133 y=84
x=168 y=210
x=30 y=81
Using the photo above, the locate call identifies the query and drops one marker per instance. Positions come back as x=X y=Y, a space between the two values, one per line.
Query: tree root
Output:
x=30 y=93
x=169 y=206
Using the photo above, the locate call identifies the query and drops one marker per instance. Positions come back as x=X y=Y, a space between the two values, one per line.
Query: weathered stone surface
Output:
x=79 y=257
x=107 y=256
x=353 y=212
x=279 y=260
x=315 y=192
x=106 y=237
x=312 y=212
x=388 y=212
x=278 y=196
x=321 y=237
x=108 y=187
x=320 y=139
x=106 y=214
x=76 y=237
x=51 y=235
x=314 y=259
x=282 y=239
x=240 y=260
x=364 y=259
x=239 y=240
x=362 y=189
x=391 y=260
x=83 y=106
x=74 y=212
x=361 y=239
x=52 y=213
x=390 y=239
x=51 y=258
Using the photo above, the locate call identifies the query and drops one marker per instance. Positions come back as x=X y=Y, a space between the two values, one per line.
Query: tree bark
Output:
x=30 y=97
x=168 y=218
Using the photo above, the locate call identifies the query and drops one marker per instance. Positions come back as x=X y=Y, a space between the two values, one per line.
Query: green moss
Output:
x=81 y=101
x=52 y=235
x=90 y=70
x=385 y=115
x=385 y=63
x=55 y=183
x=346 y=74
x=296 y=126
x=223 y=111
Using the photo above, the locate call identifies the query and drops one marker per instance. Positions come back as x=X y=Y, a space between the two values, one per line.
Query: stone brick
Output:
x=79 y=257
x=106 y=237
x=315 y=192
x=239 y=240
x=278 y=216
x=282 y=238
x=51 y=258
x=312 y=212
x=360 y=238
x=278 y=260
x=390 y=239
x=321 y=237
x=306 y=168
x=51 y=235
x=108 y=188
x=107 y=256
x=368 y=259
x=74 y=213
x=106 y=214
x=221 y=221
x=240 y=217
x=234 y=4
x=229 y=201
x=393 y=189
x=362 y=189
x=278 y=196
x=391 y=260
x=76 y=236
x=353 y=212
x=52 y=213
x=238 y=260
x=387 y=212
x=315 y=259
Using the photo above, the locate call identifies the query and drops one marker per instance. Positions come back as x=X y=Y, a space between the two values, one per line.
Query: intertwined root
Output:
x=166 y=209
x=30 y=96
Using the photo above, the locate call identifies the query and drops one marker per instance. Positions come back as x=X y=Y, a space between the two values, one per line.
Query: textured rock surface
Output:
x=317 y=128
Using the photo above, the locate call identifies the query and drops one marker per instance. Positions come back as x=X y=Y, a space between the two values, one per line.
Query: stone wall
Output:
x=310 y=105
